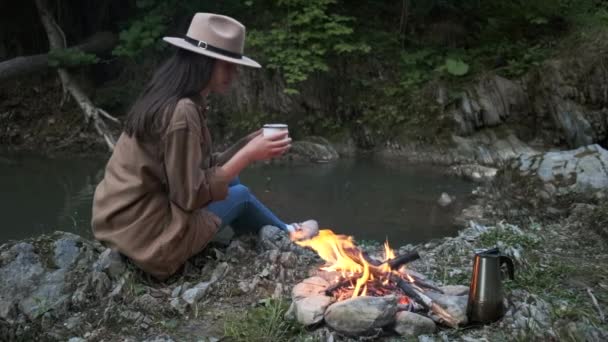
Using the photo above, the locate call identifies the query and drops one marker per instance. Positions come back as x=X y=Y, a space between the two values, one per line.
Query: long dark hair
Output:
x=184 y=74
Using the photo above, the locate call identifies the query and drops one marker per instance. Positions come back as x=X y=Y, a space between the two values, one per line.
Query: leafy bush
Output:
x=71 y=57
x=299 y=43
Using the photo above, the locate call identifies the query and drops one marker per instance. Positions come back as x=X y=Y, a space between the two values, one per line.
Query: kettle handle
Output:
x=503 y=259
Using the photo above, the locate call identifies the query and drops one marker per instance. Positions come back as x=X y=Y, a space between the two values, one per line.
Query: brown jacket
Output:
x=150 y=203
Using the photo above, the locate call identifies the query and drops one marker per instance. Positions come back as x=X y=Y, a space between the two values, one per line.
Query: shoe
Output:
x=304 y=230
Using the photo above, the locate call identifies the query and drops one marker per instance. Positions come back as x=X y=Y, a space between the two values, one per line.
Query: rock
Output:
x=66 y=251
x=456 y=306
x=473 y=212
x=580 y=331
x=147 y=303
x=176 y=291
x=117 y=290
x=288 y=259
x=271 y=237
x=35 y=276
x=101 y=283
x=310 y=310
x=530 y=314
x=410 y=324
x=73 y=323
x=77 y=339
x=220 y=271
x=314 y=149
x=162 y=338
x=132 y=316
x=309 y=287
x=361 y=315
x=235 y=248
x=455 y=290
x=178 y=305
x=579 y=171
x=111 y=262
x=474 y=172
x=193 y=295
x=444 y=200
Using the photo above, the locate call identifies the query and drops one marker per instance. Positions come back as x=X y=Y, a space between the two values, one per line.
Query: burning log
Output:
x=375 y=268
x=425 y=301
x=397 y=262
x=424 y=284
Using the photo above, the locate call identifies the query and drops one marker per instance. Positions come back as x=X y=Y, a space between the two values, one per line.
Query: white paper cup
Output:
x=272 y=129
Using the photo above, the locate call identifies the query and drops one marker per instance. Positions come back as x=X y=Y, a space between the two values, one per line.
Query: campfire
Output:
x=352 y=273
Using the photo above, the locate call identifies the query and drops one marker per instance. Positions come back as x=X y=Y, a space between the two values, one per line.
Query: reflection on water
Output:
x=40 y=195
x=365 y=198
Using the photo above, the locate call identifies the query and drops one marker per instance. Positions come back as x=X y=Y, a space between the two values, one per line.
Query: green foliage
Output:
x=300 y=42
x=456 y=67
x=71 y=57
x=263 y=323
x=146 y=31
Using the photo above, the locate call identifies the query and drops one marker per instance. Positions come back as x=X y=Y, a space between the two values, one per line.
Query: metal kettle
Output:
x=485 y=303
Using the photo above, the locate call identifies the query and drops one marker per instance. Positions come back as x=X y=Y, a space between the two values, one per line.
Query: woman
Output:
x=164 y=194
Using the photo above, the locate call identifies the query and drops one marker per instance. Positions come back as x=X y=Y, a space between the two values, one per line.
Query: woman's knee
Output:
x=239 y=192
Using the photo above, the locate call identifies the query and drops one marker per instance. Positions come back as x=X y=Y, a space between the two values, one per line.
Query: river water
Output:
x=368 y=199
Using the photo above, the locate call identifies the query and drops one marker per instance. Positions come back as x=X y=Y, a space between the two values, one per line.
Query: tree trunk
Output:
x=57 y=41
x=18 y=66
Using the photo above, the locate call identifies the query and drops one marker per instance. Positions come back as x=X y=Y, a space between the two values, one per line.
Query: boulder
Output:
x=309 y=287
x=361 y=315
x=310 y=310
x=409 y=324
x=575 y=171
x=38 y=275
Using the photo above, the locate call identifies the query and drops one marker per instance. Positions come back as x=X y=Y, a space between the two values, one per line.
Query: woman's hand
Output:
x=266 y=147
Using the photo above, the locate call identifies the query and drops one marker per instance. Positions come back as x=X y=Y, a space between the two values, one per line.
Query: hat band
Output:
x=204 y=45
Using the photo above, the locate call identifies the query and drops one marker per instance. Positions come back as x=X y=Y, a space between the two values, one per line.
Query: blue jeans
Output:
x=243 y=211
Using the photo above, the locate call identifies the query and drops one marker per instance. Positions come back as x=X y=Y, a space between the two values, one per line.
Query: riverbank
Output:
x=62 y=286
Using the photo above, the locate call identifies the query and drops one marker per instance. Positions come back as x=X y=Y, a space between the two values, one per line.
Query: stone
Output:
x=66 y=252
x=77 y=339
x=409 y=324
x=456 y=306
x=73 y=323
x=111 y=262
x=194 y=294
x=220 y=271
x=148 y=303
x=581 y=170
x=310 y=310
x=101 y=283
x=314 y=149
x=176 y=291
x=132 y=316
x=531 y=314
x=444 y=200
x=235 y=248
x=288 y=259
x=361 y=315
x=455 y=290
x=309 y=287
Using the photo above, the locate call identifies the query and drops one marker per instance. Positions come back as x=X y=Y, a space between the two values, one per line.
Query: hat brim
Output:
x=181 y=43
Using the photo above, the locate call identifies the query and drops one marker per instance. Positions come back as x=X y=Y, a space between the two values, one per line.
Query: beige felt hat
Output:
x=216 y=36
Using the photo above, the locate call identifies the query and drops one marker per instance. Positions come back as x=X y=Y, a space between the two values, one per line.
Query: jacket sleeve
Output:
x=190 y=186
x=221 y=158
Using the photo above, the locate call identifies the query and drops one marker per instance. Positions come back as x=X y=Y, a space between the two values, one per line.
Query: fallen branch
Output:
x=597 y=305
x=18 y=66
x=91 y=112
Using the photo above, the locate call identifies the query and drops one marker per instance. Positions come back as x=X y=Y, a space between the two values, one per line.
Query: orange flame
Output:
x=342 y=255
